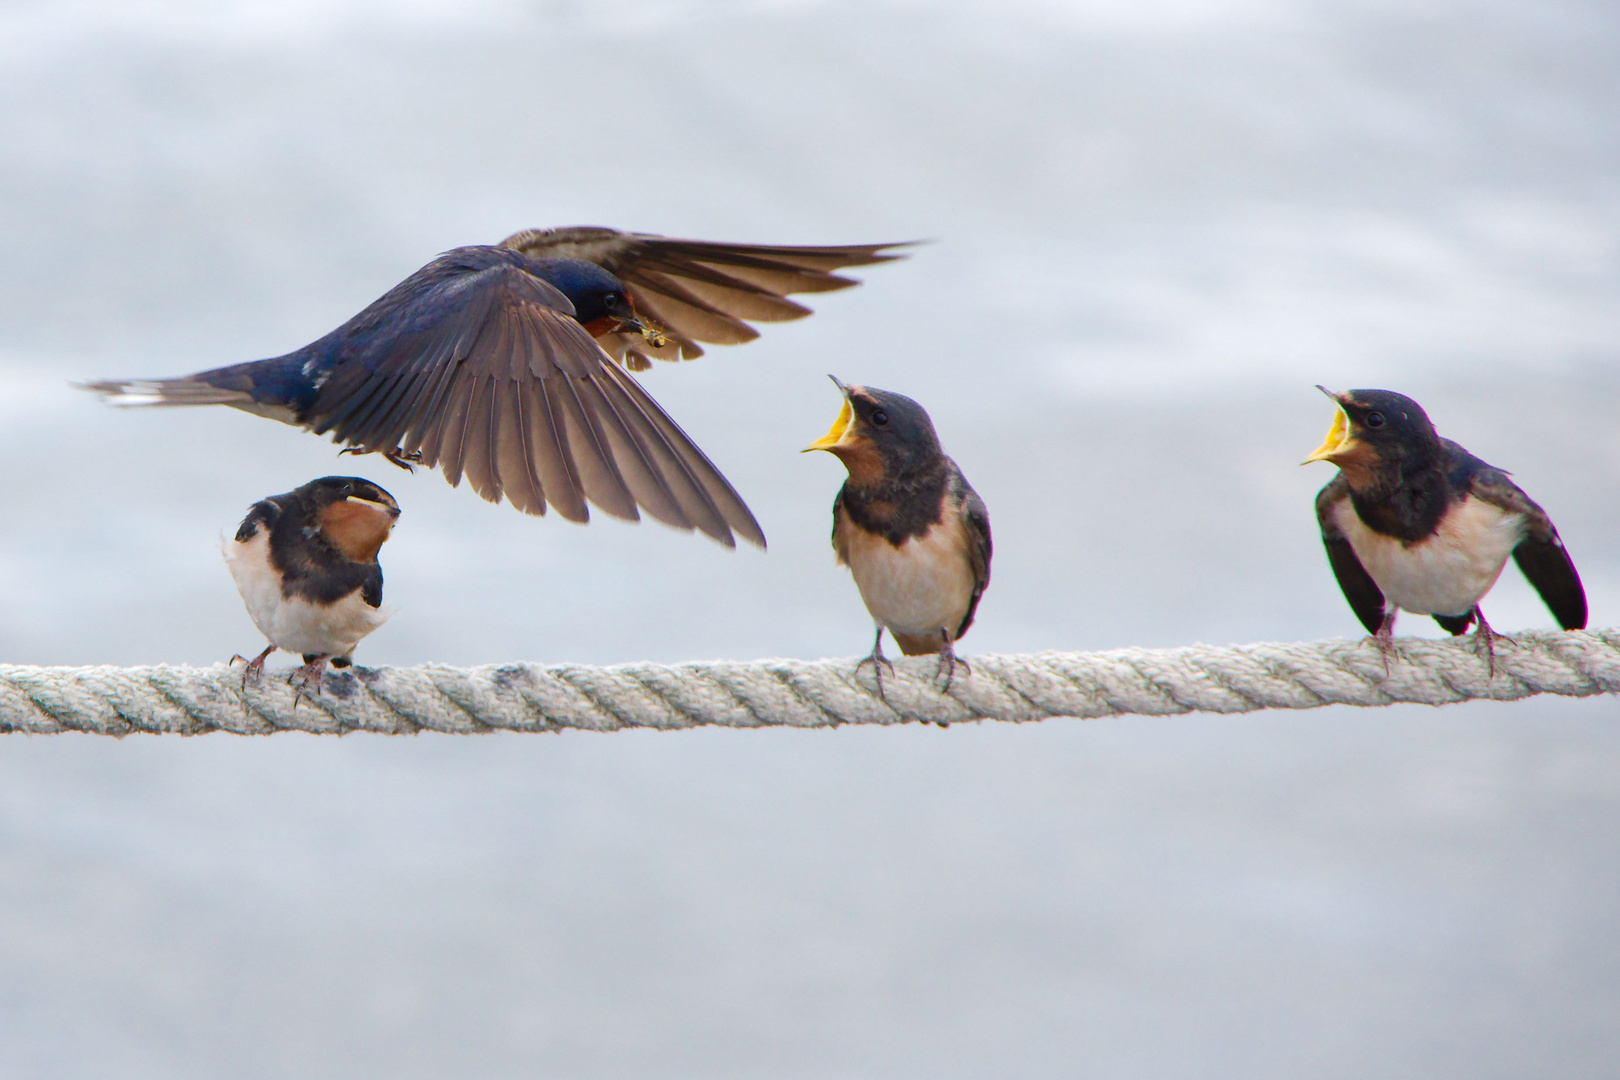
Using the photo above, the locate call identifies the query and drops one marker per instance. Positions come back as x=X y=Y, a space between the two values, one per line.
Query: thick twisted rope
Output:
x=795 y=693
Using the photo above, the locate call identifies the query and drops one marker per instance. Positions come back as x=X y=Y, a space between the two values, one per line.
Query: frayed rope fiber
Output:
x=798 y=693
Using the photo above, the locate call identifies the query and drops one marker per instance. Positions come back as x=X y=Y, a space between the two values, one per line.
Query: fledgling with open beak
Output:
x=1415 y=522
x=911 y=529
x=306 y=566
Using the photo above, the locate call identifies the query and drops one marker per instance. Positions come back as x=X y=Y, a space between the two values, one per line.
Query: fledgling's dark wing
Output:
x=371 y=589
x=486 y=373
x=262 y=514
x=695 y=290
x=1541 y=554
x=976 y=519
x=1364 y=595
x=839 y=544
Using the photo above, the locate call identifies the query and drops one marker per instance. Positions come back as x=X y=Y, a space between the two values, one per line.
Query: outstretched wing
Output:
x=1541 y=554
x=1364 y=595
x=695 y=290
x=484 y=371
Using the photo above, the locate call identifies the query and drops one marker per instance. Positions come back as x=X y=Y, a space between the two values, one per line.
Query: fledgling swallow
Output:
x=1415 y=522
x=911 y=529
x=306 y=566
x=494 y=362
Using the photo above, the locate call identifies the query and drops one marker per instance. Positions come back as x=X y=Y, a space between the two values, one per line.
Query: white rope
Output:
x=795 y=693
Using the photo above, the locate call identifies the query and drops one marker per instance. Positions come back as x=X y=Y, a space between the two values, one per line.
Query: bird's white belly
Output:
x=918 y=588
x=1447 y=573
x=296 y=624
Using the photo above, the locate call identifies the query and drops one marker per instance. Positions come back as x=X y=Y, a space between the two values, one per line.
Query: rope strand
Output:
x=795 y=693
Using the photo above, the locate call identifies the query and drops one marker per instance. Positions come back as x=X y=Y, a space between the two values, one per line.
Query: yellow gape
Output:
x=1337 y=442
x=835 y=434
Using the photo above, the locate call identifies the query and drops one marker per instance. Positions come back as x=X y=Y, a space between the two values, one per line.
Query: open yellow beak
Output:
x=1338 y=439
x=836 y=433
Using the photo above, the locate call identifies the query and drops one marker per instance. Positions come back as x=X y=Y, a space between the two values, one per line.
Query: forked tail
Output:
x=265 y=388
x=186 y=390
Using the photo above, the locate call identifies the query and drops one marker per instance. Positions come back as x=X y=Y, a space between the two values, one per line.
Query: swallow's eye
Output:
x=1374 y=420
x=879 y=417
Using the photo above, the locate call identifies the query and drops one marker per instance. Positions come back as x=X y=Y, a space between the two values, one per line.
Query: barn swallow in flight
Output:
x=494 y=362
x=1415 y=522
x=911 y=529
x=306 y=566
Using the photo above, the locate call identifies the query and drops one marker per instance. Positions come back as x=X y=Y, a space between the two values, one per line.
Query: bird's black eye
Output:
x=879 y=417
x=1374 y=420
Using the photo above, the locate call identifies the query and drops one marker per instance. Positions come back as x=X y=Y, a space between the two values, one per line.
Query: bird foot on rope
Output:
x=255 y=666
x=1485 y=639
x=1384 y=638
x=878 y=662
x=948 y=663
x=313 y=671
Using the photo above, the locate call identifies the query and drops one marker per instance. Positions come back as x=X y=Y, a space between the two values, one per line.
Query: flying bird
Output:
x=497 y=363
x=911 y=529
x=1414 y=522
x=306 y=565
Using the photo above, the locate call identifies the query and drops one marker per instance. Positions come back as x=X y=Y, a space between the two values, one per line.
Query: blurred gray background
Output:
x=1158 y=223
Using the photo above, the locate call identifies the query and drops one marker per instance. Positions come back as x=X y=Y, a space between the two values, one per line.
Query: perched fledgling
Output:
x=306 y=566
x=494 y=362
x=1415 y=522
x=913 y=532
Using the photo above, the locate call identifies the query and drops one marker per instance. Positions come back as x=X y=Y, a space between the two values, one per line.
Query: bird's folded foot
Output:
x=313 y=671
x=255 y=666
x=1485 y=638
x=396 y=456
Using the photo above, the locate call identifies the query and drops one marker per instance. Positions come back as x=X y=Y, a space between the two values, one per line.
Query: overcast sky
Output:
x=1154 y=227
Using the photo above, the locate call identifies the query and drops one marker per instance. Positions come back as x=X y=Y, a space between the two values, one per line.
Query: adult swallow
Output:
x=1415 y=522
x=911 y=529
x=493 y=362
x=306 y=566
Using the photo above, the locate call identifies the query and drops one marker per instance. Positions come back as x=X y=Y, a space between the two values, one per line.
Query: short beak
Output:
x=393 y=511
x=840 y=427
x=1338 y=438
